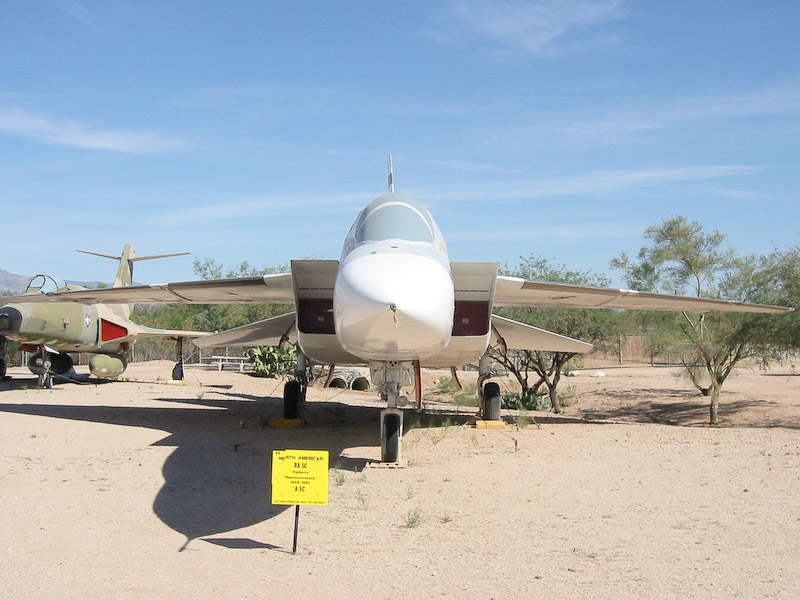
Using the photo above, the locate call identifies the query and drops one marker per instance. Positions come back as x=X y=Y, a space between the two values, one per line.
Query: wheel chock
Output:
x=485 y=424
x=286 y=422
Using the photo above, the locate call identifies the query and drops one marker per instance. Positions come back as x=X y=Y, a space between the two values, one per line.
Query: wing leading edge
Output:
x=276 y=289
x=513 y=291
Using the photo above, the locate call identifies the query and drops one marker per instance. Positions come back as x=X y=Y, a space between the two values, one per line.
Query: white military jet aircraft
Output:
x=395 y=302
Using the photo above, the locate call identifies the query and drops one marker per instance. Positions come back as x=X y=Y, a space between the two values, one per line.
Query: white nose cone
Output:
x=393 y=306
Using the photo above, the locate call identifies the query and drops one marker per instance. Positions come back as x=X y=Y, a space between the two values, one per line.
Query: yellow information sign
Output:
x=300 y=477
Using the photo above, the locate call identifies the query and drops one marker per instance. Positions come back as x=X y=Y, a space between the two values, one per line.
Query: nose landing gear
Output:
x=388 y=377
x=391 y=434
x=45 y=374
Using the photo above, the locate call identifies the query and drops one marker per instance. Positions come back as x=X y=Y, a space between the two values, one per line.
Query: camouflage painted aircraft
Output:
x=396 y=303
x=50 y=331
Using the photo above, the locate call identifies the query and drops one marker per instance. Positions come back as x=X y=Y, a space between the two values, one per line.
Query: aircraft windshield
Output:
x=43 y=284
x=395 y=220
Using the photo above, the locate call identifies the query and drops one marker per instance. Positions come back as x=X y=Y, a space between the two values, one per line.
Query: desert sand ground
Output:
x=139 y=489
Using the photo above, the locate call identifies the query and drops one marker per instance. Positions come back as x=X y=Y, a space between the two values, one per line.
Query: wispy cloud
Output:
x=613 y=129
x=250 y=207
x=464 y=165
x=586 y=184
x=78 y=134
x=336 y=205
x=781 y=98
x=551 y=234
x=541 y=27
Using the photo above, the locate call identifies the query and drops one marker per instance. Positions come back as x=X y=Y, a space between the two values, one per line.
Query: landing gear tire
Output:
x=391 y=438
x=46 y=381
x=3 y=367
x=293 y=396
x=177 y=372
x=491 y=401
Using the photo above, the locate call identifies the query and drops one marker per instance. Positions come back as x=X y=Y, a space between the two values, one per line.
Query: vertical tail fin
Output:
x=124 y=275
x=125 y=269
x=391 y=175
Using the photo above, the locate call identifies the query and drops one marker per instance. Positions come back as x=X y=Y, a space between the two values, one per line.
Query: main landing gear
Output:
x=488 y=391
x=3 y=363
x=294 y=392
x=177 y=370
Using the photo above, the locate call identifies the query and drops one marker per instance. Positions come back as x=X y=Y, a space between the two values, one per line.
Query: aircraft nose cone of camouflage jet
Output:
x=10 y=320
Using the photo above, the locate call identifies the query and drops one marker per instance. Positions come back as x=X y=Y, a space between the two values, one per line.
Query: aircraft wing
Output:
x=268 y=332
x=277 y=288
x=513 y=291
x=519 y=336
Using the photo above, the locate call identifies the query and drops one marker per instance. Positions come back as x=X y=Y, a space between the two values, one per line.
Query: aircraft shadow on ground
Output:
x=218 y=478
x=29 y=383
x=671 y=407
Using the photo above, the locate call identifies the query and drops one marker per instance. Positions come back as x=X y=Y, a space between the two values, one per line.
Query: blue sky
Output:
x=257 y=130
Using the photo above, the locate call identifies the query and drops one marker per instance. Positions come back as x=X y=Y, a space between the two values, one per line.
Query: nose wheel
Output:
x=389 y=376
x=45 y=376
x=46 y=381
x=391 y=434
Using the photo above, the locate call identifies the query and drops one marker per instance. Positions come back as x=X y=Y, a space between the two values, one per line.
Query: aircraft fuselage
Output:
x=64 y=326
x=393 y=295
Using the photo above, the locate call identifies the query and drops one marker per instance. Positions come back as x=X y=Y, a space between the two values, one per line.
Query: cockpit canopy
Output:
x=395 y=216
x=43 y=284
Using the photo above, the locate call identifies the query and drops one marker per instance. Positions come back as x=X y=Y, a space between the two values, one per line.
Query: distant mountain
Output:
x=13 y=283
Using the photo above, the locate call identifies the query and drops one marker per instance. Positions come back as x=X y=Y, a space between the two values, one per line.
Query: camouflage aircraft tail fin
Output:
x=125 y=270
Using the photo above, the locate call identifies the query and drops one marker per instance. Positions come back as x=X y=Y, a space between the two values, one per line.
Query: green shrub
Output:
x=530 y=402
x=271 y=361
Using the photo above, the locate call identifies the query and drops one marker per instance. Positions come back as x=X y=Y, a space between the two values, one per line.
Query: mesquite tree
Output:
x=682 y=257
